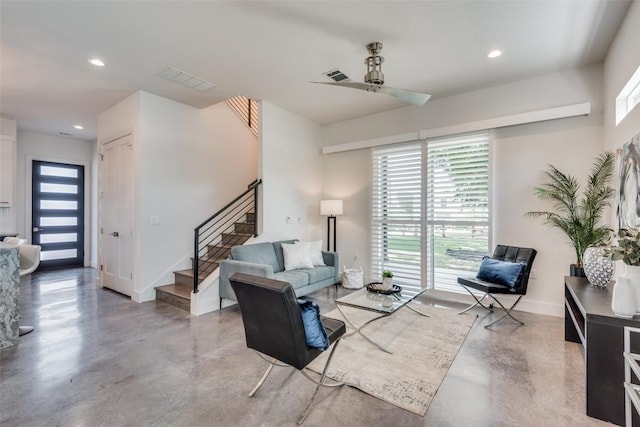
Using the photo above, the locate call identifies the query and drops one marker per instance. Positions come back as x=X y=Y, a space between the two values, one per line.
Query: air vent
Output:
x=185 y=79
x=336 y=75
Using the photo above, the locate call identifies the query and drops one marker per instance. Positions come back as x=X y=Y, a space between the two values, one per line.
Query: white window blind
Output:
x=457 y=214
x=430 y=210
x=396 y=213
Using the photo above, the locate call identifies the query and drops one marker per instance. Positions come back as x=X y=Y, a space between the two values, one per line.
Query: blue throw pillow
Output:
x=501 y=272
x=313 y=329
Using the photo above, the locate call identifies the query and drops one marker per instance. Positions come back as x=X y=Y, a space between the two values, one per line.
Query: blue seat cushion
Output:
x=501 y=272
x=297 y=278
x=258 y=253
x=314 y=331
x=319 y=274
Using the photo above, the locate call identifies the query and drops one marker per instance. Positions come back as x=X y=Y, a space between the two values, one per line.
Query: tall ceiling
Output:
x=272 y=50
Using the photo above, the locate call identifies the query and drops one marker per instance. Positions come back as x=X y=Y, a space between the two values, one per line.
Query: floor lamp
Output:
x=331 y=208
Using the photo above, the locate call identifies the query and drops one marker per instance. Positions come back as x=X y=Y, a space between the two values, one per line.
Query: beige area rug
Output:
x=423 y=349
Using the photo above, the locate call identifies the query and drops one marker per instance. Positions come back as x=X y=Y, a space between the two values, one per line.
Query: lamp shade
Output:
x=331 y=207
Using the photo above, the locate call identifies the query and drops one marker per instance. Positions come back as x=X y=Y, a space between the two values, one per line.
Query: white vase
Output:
x=632 y=273
x=387 y=282
x=623 y=302
x=597 y=266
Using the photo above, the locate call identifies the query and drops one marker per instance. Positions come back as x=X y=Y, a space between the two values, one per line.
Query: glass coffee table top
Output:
x=378 y=302
x=385 y=305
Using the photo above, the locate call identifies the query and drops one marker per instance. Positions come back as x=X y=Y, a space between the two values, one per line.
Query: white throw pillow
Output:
x=296 y=256
x=14 y=241
x=315 y=250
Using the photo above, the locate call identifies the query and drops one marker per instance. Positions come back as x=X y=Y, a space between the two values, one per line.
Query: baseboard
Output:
x=537 y=307
x=144 y=296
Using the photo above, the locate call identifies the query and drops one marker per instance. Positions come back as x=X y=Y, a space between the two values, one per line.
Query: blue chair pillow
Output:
x=313 y=329
x=501 y=272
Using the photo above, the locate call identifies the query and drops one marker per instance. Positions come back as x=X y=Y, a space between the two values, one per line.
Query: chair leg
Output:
x=324 y=373
x=478 y=301
x=507 y=311
x=264 y=377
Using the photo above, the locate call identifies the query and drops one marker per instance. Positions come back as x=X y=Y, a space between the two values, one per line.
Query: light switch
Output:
x=154 y=220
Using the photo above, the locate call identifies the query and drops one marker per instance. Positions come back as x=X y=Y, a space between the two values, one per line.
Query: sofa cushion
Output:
x=258 y=253
x=296 y=256
x=319 y=274
x=297 y=278
x=315 y=250
x=277 y=247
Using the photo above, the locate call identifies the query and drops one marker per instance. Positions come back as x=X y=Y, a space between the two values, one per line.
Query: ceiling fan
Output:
x=374 y=79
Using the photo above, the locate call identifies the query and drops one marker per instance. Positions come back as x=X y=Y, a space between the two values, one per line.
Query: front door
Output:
x=57 y=212
x=117 y=215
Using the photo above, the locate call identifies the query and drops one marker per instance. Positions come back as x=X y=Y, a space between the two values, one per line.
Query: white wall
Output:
x=291 y=169
x=37 y=146
x=622 y=61
x=188 y=163
x=520 y=154
x=192 y=163
x=551 y=90
x=8 y=219
x=8 y=127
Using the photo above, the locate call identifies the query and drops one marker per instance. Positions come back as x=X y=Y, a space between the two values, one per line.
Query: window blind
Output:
x=457 y=208
x=396 y=213
x=430 y=210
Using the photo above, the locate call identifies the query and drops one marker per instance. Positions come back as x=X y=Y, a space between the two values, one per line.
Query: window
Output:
x=628 y=97
x=397 y=214
x=457 y=214
x=430 y=210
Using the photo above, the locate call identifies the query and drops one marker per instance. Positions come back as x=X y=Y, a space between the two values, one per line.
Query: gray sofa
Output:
x=267 y=260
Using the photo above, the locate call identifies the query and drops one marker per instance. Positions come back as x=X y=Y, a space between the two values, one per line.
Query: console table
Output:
x=589 y=320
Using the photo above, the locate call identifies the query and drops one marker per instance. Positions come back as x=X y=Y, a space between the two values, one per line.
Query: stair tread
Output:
x=176 y=290
x=189 y=273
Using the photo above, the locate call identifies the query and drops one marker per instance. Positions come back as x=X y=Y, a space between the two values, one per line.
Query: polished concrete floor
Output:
x=98 y=359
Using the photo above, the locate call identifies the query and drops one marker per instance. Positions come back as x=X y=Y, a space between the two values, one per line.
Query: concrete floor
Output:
x=98 y=359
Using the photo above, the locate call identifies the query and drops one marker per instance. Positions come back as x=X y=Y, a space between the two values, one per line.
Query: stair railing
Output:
x=210 y=232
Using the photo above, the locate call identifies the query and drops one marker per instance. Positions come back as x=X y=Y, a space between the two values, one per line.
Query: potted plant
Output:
x=578 y=215
x=387 y=279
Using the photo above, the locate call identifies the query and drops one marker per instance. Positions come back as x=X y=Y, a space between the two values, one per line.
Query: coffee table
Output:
x=385 y=305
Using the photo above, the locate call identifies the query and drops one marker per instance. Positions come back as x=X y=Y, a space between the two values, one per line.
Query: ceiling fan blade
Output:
x=354 y=85
x=408 y=96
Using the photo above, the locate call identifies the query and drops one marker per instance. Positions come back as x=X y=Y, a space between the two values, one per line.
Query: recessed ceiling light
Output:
x=78 y=127
x=494 y=54
x=96 y=62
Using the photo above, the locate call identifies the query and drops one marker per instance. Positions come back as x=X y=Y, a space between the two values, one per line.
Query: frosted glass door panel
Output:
x=59 y=204
x=59 y=188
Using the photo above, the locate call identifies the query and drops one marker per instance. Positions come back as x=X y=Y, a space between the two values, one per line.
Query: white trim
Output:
x=375 y=142
x=492 y=123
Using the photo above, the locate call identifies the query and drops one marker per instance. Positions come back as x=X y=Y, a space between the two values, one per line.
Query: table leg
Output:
x=357 y=330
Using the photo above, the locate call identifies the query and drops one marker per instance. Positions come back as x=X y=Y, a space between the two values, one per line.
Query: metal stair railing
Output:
x=209 y=233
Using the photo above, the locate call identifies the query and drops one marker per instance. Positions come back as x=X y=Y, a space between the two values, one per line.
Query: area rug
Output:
x=423 y=350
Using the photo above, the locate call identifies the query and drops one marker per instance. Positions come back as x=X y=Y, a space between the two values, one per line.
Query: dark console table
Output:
x=589 y=320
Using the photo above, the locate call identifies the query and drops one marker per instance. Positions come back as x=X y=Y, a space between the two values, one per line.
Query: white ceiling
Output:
x=271 y=50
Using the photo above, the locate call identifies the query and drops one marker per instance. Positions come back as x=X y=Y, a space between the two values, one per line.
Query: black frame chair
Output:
x=502 y=253
x=273 y=326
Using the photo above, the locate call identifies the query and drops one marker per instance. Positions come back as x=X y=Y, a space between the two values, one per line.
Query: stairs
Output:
x=179 y=292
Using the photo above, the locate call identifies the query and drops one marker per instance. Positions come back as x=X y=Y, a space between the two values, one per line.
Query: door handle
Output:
x=115 y=234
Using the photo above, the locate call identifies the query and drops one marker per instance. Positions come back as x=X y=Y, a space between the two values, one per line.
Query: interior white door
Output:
x=117 y=215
